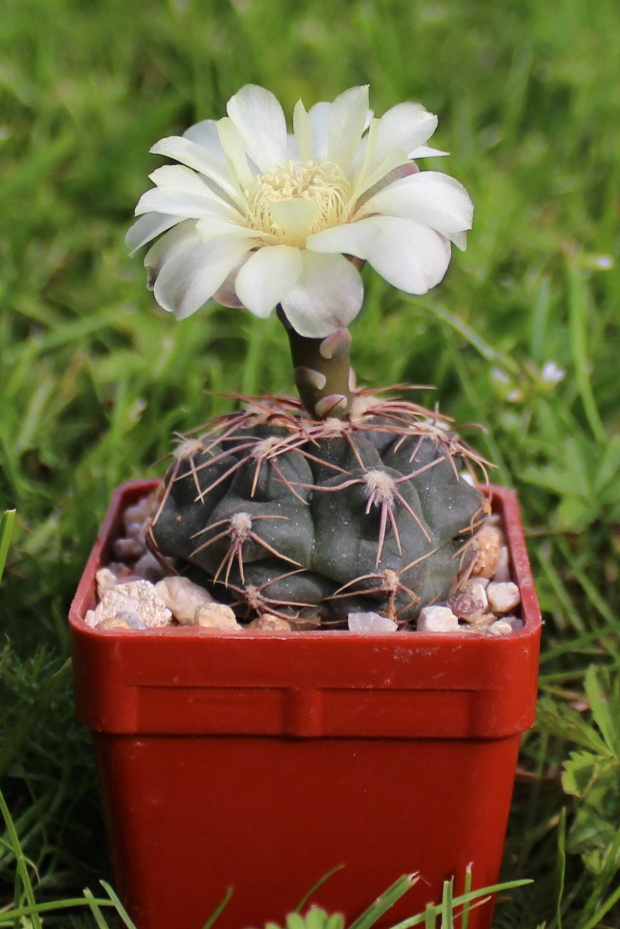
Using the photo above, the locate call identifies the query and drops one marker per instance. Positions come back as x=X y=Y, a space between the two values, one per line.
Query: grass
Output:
x=95 y=378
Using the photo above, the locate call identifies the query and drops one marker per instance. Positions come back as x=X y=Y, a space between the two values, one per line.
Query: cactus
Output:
x=343 y=501
x=313 y=519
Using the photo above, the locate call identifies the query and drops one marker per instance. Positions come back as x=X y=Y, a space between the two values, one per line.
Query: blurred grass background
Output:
x=522 y=338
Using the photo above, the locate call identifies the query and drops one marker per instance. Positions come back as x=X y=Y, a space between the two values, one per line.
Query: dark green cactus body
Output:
x=314 y=520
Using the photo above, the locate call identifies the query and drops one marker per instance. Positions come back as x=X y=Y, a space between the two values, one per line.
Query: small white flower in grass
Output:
x=252 y=216
x=552 y=373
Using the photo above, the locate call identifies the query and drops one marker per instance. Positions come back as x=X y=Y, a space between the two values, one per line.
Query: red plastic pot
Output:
x=261 y=761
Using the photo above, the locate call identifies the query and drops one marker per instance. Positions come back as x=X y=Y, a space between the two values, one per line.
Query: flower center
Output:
x=323 y=186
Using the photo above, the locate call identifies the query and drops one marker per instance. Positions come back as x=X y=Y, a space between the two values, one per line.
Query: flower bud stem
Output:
x=323 y=374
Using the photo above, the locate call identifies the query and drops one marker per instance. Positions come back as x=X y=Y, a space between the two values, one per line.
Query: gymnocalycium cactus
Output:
x=344 y=500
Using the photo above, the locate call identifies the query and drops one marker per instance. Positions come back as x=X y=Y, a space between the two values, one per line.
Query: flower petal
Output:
x=428 y=197
x=177 y=177
x=327 y=296
x=258 y=116
x=346 y=123
x=168 y=200
x=292 y=149
x=148 y=227
x=425 y=151
x=319 y=119
x=182 y=234
x=211 y=227
x=379 y=177
x=302 y=127
x=205 y=134
x=295 y=217
x=392 y=175
x=232 y=144
x=193 y=272
x=267 y=276
x=200 y=159
x=348 y=239
x=404 y=127
x=459 y=239
x=360 y=163
x=225 y=294
x=407 y=254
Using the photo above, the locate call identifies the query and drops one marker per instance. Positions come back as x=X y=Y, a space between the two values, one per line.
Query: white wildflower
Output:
x=552 y=373
x=254 y=217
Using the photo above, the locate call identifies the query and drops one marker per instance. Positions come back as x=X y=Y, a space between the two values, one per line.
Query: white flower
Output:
x=254 y=217
x=552 y=373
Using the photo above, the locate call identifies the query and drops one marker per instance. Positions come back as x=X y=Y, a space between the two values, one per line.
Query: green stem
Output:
x=323 y=374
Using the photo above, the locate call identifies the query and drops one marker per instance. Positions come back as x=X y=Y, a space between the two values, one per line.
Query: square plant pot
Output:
x=261 y=761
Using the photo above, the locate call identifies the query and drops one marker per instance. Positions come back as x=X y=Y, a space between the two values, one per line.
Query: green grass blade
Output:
x=384 y=902
x=578 y=323
x=473 y=899
x=120 y=909
x=589 y=588
x=9 y=916
x=447 y=905
x=468 y=883
x=488 y=352
x=7 y=523
x=219 y=908
x=602 y=910
x=560 y=590
x=22 y=875
x=561 y=867
x=316 y=886
x=94 y=908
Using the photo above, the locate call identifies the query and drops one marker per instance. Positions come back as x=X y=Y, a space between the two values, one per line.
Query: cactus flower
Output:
x=252 y=216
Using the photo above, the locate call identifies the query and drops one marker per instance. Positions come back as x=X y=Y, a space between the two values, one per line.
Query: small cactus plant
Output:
x=344 y=500
x=313 y=519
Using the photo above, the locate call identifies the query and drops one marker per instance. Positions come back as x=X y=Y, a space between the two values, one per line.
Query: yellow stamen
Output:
x=324 y=184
